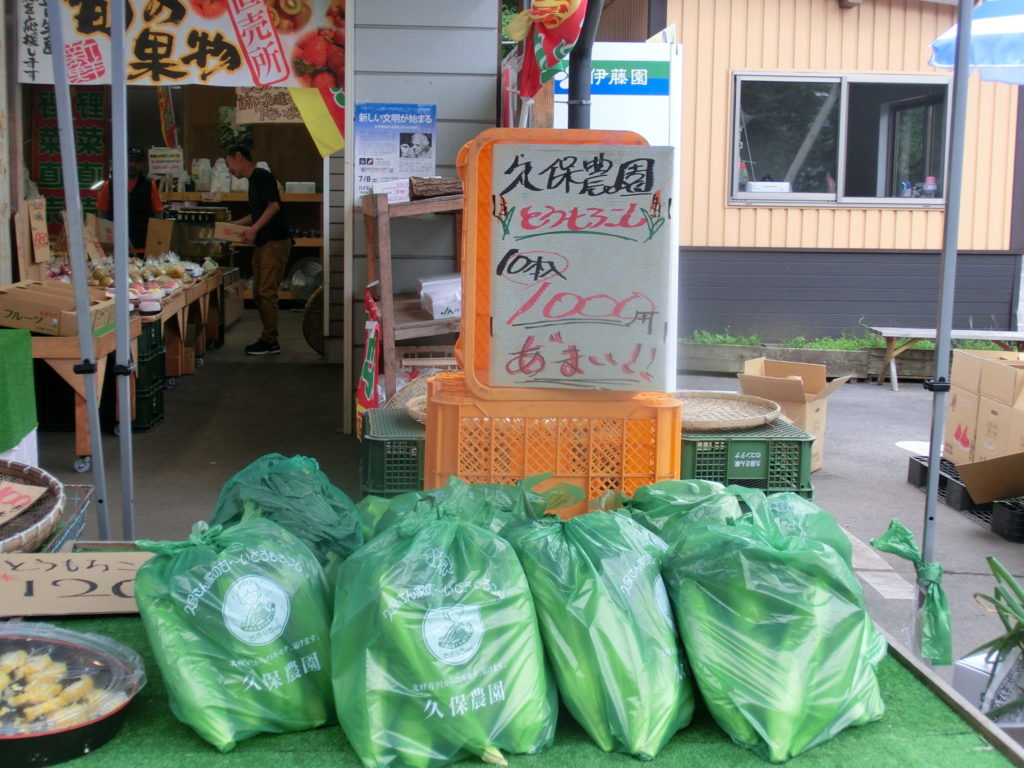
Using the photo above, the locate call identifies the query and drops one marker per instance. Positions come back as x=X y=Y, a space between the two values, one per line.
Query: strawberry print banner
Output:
x=293 y=43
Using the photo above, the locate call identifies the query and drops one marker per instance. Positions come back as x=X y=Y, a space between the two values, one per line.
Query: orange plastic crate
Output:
x=617 y=445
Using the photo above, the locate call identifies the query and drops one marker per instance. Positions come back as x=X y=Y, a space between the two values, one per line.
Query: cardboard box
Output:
x=965 y=371
x=992 y=479
x=233 y=233
x=800 y=389
x=1003 y=380
x=992 y=438
x=961 y=425
x=1017 y=430
x=234 y=302
x=158 y=236
x=49 y=308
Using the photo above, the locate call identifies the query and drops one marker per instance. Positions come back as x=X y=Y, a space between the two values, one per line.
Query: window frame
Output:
x=735 y=197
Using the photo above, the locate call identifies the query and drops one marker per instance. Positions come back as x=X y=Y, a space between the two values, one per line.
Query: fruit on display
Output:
x=319 y=58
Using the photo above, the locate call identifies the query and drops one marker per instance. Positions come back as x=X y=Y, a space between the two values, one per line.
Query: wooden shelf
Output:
x=281 y=295
x=236 y=197
x=299 y=242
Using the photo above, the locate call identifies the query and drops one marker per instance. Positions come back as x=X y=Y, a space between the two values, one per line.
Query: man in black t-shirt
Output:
x=266 y=228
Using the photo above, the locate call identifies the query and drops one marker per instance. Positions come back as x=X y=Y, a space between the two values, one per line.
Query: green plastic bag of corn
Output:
x=436 y=653
x=775 y=628
x=608 y=628
x=238 y=621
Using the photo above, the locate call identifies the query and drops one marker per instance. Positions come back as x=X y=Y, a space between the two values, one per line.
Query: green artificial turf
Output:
x=918 y=730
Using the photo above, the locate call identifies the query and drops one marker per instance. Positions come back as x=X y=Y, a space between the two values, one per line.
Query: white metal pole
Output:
x=76 y=253
x=119 y=200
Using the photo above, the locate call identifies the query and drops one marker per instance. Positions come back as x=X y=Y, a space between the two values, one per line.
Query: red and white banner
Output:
x=294 y=43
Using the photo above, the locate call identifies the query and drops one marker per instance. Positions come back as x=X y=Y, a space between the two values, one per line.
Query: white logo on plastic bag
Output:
x=255 y=610
x=436 y=558
x=453 y=634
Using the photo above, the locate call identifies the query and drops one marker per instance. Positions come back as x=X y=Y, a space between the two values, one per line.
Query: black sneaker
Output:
x=261 y=347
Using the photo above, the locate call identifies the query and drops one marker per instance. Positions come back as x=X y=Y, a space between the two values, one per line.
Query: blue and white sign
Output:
x=393 y=141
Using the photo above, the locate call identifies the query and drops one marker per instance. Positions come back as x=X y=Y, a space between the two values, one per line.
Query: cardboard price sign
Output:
x=15 y=498
x=52 y=584
x=38 y=229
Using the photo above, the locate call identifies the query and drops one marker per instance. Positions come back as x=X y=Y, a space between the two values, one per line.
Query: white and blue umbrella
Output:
x=997 y=42
x=991 y=40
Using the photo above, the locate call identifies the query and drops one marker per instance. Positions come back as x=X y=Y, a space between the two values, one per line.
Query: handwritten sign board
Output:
x=583 y=267
x=15 y=498
x=164 y=160
x=69 y=583
x=266 y=105
x=37 y=228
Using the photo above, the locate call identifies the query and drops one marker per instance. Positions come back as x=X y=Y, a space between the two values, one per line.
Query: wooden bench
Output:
x=1010 y=340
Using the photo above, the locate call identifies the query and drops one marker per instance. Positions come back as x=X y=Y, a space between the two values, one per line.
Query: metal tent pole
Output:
x=579 y=67
x=939 y=385
x=123 y=366
x=76 y=253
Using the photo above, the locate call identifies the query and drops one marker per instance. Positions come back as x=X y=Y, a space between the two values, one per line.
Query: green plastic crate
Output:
x=391 y=453
x=149 y=408
x=151 y=339
x=774 y=457
x=149 y=371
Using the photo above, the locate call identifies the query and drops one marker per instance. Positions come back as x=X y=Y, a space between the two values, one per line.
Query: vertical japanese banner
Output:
x=367 y=393
x=583 y=267
x=90 y=110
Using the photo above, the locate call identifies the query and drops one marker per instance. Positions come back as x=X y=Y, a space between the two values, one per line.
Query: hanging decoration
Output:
x=323 y=112
x=165 y=107
x=550 y=29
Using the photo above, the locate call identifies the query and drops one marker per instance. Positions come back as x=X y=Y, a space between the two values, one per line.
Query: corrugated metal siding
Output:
x=422 y=52
x=721 y=37
x=623 y=21
x=782 y=294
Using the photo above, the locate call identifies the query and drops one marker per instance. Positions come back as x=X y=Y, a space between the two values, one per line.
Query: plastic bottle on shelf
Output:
x=930 y=188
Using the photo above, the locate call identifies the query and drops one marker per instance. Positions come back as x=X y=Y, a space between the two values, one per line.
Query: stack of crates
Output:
x=391 y=453
x=773 y=457
x=149 y=379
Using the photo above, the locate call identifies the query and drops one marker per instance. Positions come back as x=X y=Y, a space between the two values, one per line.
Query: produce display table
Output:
x=62 y=354
x=918 y=729
x=191 y=304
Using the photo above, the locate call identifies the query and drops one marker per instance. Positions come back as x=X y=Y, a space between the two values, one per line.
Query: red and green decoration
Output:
x=550 y=29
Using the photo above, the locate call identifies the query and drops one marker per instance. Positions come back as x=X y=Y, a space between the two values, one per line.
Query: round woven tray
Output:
x=706 y=411
x=417 y=408
x=31 y=528
x=413 y=389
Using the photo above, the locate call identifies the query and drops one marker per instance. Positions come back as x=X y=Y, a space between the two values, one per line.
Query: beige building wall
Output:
x=818 y=37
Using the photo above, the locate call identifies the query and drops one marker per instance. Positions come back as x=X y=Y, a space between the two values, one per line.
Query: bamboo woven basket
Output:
x=29 y=530
x=710 y=411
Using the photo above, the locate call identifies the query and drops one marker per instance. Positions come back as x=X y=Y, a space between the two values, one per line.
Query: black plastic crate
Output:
x=952 y=491
x=149 y=371
x=774 y=457
x=1008 y=519
x=149 y=408
x=391 y=452
x=151 y=339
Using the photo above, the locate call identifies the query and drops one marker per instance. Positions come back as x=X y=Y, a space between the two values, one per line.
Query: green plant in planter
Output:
x=1007 y=602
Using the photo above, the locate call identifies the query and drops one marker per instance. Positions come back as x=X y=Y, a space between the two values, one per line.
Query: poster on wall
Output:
x=583 y=267
x=393 y=141
x=294 y=43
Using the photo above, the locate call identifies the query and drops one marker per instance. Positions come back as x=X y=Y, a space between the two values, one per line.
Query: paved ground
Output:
x=236 y=409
